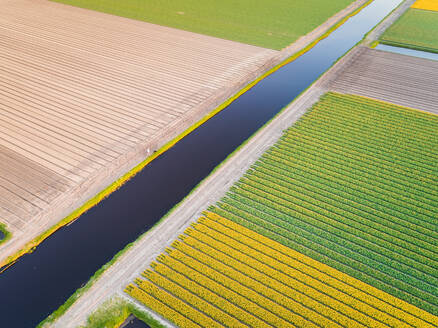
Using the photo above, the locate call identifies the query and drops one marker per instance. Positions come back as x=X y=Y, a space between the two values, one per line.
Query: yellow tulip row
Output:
x=313 y=294
x=283 y=306
x=265 y=308
x=223 y=274
x=203 y=287
x=328 y=276
x=278 y=289
x=177 y=304
x=160 y=308
x=190 y=298
x=343 y=298
x=310 y=282
x=240 y=307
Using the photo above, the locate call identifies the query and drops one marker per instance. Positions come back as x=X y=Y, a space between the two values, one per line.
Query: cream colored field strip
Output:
x=222 y=274
x=80 y=89
x=399 y=79
x=426 y=5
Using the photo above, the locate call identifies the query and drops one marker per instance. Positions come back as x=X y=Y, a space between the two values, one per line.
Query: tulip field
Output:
x=416 y=29
x=334 y=226
x=426 y=5
x=262 y=23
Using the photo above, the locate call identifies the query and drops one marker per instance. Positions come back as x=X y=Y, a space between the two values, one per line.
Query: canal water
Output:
x=134 y=322
x=42 y=281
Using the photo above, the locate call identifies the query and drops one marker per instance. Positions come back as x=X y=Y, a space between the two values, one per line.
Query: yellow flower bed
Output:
x=273 y=288
x=187 y=297
x=180 y=274
x=177 y=304
x=160 y=308
x=309 y=291
x=276 y=314
x=354 y=287
x=220 y=273
x=426 y=5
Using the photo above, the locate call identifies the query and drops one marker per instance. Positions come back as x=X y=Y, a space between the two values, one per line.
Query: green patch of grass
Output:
x=416 y=29
x=114 y=312
x=354 y=185
x=269 y=24
x=5 y=235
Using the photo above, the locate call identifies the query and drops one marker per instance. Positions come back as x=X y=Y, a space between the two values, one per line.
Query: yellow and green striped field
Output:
x=220 y=273
x=334 y=226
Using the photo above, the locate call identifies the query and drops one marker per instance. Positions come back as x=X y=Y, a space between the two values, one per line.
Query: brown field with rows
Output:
x=85 y=96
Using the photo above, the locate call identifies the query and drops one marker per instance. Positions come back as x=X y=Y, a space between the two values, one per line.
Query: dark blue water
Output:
x=40 y=282
x=133 y=322
x=409 y=52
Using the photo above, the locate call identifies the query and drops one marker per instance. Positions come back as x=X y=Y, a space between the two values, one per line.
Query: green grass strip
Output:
x=114 y=312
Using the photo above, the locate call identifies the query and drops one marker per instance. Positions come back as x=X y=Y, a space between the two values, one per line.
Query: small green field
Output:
x=5 y=235
x=269 y=24
x=354 y=185
x=416 y=29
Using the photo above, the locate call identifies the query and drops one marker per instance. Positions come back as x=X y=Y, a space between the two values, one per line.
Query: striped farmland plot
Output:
x=222 y=274
x=334 y=226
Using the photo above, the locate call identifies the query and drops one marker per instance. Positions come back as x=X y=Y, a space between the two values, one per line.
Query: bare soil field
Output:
x=399 y=79
x=85 y=96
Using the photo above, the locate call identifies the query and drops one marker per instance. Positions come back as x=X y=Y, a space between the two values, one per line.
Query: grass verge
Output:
x=114 y=312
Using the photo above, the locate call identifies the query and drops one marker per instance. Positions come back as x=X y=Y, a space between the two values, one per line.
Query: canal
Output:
x=42 y=281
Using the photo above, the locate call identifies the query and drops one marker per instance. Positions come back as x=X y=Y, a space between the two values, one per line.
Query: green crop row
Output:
x=389 y=173
x=350 y=222
x=310 y=224
x=369 y=142
x=370 y=175
x=350 y=183
x=314 y=177
x=357 y=143
x=292 y=237
x=399 y=237
x=398 y=148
